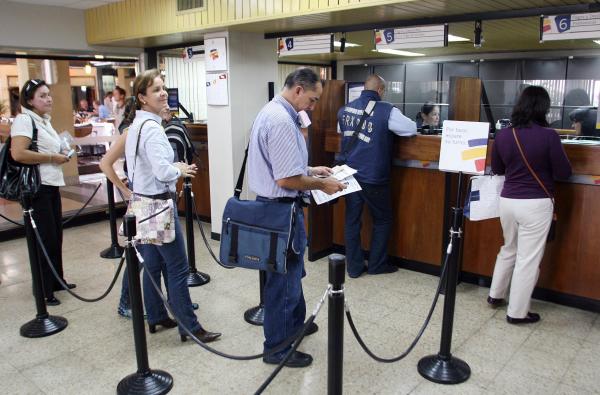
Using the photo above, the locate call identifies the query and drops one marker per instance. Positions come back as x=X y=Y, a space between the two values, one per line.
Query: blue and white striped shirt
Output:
x=277 y=149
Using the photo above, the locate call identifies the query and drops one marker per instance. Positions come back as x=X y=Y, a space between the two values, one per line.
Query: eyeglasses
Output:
x=32 y=84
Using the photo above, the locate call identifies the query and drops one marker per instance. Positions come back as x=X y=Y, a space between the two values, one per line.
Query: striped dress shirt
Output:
x=277 y=149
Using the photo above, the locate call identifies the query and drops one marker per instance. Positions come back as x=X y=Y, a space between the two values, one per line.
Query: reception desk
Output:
x=423 y=195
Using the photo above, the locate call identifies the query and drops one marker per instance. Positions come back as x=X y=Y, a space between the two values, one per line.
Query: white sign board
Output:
x=217 y=92
x=411 y=37
x=464 y=147
x=192 y=54
x=569 y=27
x=303 y=45
x=215 y=54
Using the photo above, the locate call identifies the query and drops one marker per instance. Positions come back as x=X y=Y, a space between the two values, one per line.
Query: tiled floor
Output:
x=559 y=355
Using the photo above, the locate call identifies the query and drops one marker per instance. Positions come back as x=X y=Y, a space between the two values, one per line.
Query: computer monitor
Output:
x=173 y=99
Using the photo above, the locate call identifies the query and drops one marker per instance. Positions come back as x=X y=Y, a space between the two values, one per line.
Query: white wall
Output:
x=252 y=64
x=27 y=26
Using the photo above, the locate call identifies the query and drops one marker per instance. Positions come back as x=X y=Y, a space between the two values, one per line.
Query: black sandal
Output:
x=529 y=319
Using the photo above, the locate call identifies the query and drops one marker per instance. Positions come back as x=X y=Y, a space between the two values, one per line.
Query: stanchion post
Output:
x=43 y=324
x=444 y=368
x=335 y=325
x=145 y=380
x=195 y=278
x=256 y=314
x=115 y=250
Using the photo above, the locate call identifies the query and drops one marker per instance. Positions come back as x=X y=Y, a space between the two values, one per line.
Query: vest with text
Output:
x=371 y=155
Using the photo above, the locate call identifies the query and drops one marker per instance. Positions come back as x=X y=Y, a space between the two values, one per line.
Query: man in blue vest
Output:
x=368 y=125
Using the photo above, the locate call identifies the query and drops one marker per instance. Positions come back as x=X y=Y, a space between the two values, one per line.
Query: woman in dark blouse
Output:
x=525 y=207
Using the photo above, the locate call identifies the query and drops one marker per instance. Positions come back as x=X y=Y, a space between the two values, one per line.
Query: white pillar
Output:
x=252 y=63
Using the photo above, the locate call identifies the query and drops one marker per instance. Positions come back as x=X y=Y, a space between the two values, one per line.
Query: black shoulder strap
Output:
x=137 y=146
x=367 y=112
x=34 y=136
x=240 y=181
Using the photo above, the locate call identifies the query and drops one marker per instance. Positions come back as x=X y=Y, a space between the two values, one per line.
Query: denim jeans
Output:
x=379 y=200
x=171 y=259
x=285 y=307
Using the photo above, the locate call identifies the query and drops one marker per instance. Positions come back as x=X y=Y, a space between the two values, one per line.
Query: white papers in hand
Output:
x=343 y=174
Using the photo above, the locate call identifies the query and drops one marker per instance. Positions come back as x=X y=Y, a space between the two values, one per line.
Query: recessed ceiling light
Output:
x=99 y=56
x=397 y=52
x=348 y=44
x=597 y=42
x=453 y=38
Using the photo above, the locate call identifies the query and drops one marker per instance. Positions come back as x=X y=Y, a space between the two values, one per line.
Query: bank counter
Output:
x=423 y=196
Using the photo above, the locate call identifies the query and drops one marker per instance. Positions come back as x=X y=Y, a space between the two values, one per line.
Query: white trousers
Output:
x=525 y=224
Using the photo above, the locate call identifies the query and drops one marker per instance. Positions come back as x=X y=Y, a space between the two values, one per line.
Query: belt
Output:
x=296 y=199
x=159 y=196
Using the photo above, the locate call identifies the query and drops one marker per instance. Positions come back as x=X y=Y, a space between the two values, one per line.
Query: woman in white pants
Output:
x=531 y=157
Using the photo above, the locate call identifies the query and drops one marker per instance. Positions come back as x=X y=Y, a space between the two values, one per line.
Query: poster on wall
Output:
x=464 y=147
x=215 y=54
x=569 y=27
x=217 y=92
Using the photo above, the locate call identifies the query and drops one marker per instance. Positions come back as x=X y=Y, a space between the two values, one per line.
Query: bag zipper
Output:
x=228 y=221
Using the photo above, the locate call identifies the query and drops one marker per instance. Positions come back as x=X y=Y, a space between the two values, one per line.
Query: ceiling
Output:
x=79 y=4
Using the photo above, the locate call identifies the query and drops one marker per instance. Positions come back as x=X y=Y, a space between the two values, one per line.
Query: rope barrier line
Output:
x=72 y=217
x=421 y=331
x=11 y=221
x=60 y=281
x=205 y=239
x=191 y=335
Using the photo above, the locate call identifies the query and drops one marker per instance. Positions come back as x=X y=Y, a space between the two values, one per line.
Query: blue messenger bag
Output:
x=257 y=234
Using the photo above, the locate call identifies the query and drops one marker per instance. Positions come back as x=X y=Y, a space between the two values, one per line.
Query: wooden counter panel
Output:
x=425 y=148
x=418 y=208
x=198 y=132
x=584 y=159
x=571 y=262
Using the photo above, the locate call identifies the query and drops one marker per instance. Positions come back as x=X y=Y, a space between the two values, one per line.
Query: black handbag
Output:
x=17 y=179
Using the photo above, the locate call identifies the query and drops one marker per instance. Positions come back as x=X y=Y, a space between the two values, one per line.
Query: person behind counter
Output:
x=584 y=121
x=525 y=207
x=36 y=105
x=152 y=172
x=369 y=151
x=429 y=116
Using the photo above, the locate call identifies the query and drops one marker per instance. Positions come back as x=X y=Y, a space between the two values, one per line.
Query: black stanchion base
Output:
x=196 y=279
x=42 y=327
x=113 y=252
x=255 y=315
x=444 y=371
x=153 y=382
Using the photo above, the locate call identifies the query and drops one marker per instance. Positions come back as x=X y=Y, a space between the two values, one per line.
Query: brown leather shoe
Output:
x=494 y=303
x=203 y=336
x=530 y=318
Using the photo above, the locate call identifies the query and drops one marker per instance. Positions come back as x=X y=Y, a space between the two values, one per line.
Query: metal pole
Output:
x=256 y=315
x=115 y=250
x=145 y=380
x=444 y=368
x=335 y=325
x=195 y=278
x=43 y=324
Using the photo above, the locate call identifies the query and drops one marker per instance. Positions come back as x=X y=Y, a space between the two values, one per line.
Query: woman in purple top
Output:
x=525 y=208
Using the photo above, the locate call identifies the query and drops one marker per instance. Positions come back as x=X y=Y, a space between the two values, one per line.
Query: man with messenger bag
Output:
x=278 y=171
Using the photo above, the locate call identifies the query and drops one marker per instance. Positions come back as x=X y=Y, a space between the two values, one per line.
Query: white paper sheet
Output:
x=352 y=186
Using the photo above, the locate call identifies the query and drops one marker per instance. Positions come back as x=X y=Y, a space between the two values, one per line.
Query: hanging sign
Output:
x=304 y=45
x=569 y=27
x=192 y=54
x=431 y=36
x=464 y=147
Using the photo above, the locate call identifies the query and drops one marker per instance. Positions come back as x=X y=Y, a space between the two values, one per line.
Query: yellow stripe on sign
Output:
x=474 y=153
